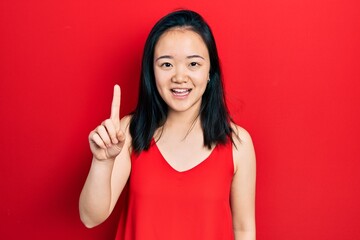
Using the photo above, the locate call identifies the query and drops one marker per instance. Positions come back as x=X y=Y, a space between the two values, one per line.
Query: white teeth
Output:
x=180 y=90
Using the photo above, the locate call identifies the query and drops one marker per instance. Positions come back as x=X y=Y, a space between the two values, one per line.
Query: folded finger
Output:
x=109 y=125
x=120 y=136
x=97 y=140
x=103 y=135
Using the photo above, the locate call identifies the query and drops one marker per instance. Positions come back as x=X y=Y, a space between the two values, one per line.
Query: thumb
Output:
x=121 y=137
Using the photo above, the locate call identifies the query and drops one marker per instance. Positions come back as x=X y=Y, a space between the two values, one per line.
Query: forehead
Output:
x=180 y=40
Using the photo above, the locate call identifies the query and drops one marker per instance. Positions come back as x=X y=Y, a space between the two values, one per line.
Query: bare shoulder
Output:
x=240 y=135
x=243 y=148
x=125 y=122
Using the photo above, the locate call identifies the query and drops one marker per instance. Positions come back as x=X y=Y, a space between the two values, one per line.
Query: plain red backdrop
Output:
x=292 y=78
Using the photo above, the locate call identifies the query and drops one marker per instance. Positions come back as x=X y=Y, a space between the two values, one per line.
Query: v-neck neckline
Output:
x=201 y=163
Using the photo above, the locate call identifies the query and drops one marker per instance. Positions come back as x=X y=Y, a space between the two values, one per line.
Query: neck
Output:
x=181 y=124
x=181 y=118
x=184 y=117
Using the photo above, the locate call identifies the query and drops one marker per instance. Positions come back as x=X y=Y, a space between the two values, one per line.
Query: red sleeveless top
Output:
x=162 y=203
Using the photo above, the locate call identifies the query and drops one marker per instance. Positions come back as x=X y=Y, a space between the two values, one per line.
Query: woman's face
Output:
x=181 y=67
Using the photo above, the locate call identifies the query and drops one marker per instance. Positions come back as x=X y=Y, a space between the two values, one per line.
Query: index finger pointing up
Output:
x=115 y=105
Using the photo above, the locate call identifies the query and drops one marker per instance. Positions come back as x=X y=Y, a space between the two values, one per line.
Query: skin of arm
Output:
x=104 y=183
x=243 y=186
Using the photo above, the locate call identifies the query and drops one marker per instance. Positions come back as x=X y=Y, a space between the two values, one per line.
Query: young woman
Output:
x=184 y=169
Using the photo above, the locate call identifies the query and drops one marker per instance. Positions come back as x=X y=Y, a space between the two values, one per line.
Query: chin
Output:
x=185 y=108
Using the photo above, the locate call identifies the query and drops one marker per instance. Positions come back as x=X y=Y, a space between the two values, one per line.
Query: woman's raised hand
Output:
x=107 y=139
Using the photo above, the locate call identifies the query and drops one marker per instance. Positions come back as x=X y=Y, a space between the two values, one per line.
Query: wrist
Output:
x=104 y=162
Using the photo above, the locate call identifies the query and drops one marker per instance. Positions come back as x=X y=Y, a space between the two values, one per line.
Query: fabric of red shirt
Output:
x=161 y=203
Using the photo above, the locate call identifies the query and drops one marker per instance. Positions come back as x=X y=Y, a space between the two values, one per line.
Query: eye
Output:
x=166 y=65
x=194 y=64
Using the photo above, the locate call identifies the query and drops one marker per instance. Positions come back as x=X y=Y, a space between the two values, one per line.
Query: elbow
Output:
x=248 y=235
x=245 y=230
x=88 y=222
x=245 y=234
x=89 y=225
x=91 y=221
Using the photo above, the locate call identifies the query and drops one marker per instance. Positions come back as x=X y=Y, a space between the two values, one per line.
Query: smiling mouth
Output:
x=181 y=91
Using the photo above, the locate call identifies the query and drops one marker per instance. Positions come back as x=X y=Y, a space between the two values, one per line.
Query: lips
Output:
x=181 y=92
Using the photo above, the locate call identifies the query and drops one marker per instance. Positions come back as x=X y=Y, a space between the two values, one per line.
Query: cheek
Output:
x=200 y=77
x=161 y=81
x=160 y=78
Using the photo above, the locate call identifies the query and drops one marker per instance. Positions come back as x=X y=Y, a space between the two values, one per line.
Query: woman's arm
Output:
x=243 y=186
x=110 y=169
x=103 y=186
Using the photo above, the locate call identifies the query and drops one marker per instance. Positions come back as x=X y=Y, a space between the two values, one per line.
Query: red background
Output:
x=292 y=78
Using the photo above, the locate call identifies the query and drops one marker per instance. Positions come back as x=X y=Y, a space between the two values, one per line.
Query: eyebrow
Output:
x=170 y=57
x=195 y=56
x=162 y=57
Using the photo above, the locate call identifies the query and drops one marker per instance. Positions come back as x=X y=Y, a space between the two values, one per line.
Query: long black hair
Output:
x=151 y=110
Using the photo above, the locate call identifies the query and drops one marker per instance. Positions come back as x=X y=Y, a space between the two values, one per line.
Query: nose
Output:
x=180 y=76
